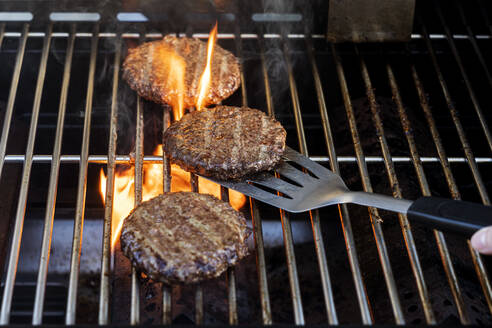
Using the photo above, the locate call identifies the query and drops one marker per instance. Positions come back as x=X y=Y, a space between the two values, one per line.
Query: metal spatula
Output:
x=313 y=186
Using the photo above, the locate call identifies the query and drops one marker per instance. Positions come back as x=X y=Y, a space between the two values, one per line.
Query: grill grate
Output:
x=371 y=71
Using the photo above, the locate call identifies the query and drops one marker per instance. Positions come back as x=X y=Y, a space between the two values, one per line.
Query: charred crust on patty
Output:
x=146 y=70
x=225 y=142
x=184 y=237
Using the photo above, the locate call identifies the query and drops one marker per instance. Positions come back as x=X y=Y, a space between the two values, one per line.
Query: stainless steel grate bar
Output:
x=7 y=119
x=473 y=41
x=266 y=311
x=26 y=175
x=139 y=146
x=314 y=215
x=289 y=252
x=53 y=187
x=441 y=242
x=166 y=187
x=107 y=251
x=344 y=215
x=473 y=98
x=373 y=213
x=393 y=179
x=151 y=159
x=81 y=189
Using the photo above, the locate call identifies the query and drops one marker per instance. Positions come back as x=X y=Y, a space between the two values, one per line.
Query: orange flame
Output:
x=205 y=79
x=168 y=61
x=124 y=190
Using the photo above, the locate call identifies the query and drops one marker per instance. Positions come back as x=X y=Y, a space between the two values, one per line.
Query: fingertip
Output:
x=482 y=240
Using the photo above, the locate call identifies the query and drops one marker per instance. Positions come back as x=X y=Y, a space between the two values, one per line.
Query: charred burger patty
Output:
x=225 y=142
x=151 y=70
x=184 y=237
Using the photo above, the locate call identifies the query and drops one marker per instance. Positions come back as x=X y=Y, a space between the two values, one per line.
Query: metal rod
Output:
x=481 y=271
x=52 y=188
x=2 y=33
x=266 y=311
x=373 y=213
x=131 y=35
x=455 y=116
x=199 y=289
x=390 y=169
x=7 y=119
x=139 y=144
x=291 y=260
x=360 y=288
x=152 y=159
x=231 y=276
x=314 y=215
x=104 y=292
x=473 y=41
x=166 y=187
x=473 y=98
x=81 y=190
x=26 y=175
x=441 y=242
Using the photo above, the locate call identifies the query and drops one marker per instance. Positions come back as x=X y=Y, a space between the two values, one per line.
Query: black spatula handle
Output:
x=450 y=215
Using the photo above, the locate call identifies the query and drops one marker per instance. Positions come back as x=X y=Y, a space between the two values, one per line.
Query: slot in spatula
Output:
x=313 y=186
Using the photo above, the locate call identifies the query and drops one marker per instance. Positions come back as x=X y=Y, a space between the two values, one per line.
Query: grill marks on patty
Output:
x=184 y=237
x=225 y=142
x=146 y=69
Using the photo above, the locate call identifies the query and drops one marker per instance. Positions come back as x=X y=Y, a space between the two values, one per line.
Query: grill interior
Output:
x=403 y=119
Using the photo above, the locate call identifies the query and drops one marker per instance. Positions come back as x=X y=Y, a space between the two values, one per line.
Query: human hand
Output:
x=482 y=240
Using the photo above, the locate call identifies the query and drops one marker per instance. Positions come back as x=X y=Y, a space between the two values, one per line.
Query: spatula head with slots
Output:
x=294 y=189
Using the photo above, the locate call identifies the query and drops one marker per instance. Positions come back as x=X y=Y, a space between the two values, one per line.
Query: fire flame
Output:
x=124 y=184
x=174 y=65
x=205 y=79
x=124 y=190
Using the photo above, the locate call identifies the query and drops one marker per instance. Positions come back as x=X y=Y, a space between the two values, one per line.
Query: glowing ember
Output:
x=124 y=190
x=205 y=79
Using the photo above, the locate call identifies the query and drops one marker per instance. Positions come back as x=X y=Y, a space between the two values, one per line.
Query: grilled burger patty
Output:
x=225 y=142
x=184 y=237
x=147 y=69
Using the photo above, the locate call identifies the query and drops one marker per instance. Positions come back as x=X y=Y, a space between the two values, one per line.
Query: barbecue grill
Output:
x=406 y=119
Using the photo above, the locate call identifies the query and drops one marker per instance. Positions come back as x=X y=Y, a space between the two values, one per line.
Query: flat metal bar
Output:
x=314 y=215
x=360 y=288
x=166 y=187
x=469 y=87
x=395 y=185
x=7 y=119
x=152 y=159
x=104 y=292
x=26 y=175
x=81 y=189
x=378 y=232
x=266 y=311
x=53 y=187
